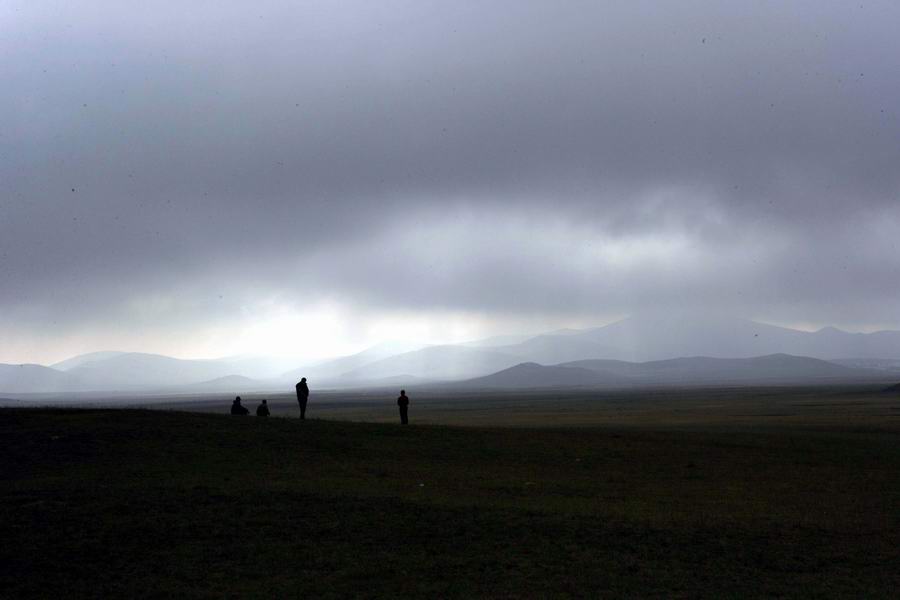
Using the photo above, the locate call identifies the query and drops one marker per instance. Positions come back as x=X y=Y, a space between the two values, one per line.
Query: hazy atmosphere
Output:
x=449 y=299
x=213 y=178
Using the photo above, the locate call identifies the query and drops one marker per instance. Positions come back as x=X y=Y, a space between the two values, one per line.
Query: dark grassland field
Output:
x=666 y=493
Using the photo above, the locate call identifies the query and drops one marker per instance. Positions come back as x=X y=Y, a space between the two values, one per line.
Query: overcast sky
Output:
x=210 y=178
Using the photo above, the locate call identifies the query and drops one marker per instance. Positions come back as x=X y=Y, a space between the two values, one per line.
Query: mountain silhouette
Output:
x=81 y=359
x=644 y=338
x=775 y=368
x=534 y=376
x=25 y=379
x=137 y=370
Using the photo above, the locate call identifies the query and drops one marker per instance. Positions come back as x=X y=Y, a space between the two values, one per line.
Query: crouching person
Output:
x=237 y=408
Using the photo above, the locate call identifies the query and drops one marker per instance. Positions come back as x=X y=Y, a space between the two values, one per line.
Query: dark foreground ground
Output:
x=136 y=503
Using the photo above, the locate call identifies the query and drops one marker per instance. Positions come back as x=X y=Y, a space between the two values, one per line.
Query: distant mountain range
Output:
x=636 y=349
x=771 y=369
x=648 y=338
x=533 y=375
x=135 y=370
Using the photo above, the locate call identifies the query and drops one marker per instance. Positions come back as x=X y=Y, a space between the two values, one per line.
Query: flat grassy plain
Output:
x=679 y=493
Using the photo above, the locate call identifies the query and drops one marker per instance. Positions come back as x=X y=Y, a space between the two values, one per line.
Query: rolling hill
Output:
x=776 y=368
x=533 y=375
x=81 y=359
x=137 y=370
x=706 y=369
x=25 y=379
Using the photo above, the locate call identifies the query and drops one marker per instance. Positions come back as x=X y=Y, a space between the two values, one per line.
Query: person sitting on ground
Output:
x=237 y=408
x=263 y=409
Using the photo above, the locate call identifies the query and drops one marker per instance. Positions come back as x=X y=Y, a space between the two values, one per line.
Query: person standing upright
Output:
x=302 y=396
x=403 y=403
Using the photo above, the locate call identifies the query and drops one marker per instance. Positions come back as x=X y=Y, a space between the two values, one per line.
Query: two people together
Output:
x=239 y=409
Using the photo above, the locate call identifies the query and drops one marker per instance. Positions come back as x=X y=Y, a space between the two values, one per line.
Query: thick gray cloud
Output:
x=166 y=168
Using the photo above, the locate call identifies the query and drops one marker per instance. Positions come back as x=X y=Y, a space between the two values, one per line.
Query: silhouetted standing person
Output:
x=237 y=408
x=403 y=403
x=302 y=396
x=263 y=409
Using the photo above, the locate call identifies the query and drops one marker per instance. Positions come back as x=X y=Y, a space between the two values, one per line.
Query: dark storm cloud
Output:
x=502 y=156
